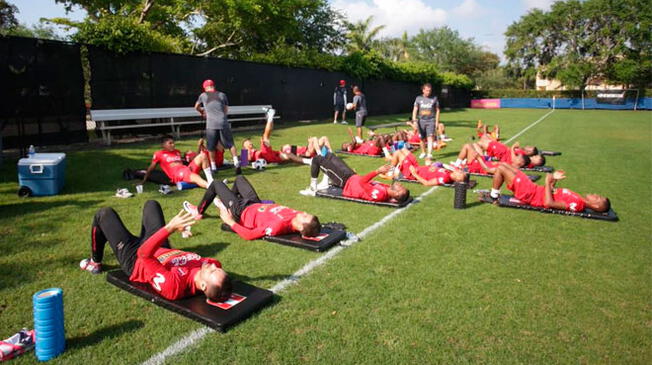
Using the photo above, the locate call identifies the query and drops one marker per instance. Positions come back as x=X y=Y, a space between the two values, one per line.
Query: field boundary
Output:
x=530 y=126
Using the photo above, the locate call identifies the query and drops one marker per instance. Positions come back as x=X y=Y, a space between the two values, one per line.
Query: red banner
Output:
x=485 y=103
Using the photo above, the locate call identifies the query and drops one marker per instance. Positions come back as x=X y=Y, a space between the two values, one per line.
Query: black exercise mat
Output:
x=538 y=169
x=358 y=154
x=471 y=183
x=336 y=193
x=531 y=177
x=196 y=307
x=511 y=202
x=549 y=153
x=296 y=240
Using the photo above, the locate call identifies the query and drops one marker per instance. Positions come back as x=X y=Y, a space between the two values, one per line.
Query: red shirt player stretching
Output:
x=148 y=258
x=171 y=162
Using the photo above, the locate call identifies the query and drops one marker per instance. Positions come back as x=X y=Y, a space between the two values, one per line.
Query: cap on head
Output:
x=208 y=84
x=342 y=82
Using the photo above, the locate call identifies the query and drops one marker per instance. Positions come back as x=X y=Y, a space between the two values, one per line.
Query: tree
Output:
x=361 y=35
x=450 y=52
x=7 y=17
x=577 y=41
x=394 y=49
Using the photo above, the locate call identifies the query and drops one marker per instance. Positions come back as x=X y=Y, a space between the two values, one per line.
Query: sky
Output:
x=483 y=20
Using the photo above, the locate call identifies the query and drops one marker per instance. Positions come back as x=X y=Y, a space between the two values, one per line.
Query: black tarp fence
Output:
x=168 y=80
x=42 y=93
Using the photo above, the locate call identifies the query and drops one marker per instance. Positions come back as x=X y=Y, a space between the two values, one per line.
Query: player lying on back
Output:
x=338 y=173
x=407 y=167
x=372 y=147
x=266 y=152
x=172 y=164
x=248 y=216
x=314 y=147
x=472 y=159
x=547 y=196
x=514 y=155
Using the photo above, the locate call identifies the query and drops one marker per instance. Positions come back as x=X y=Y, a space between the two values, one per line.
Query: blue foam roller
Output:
x=48 y=323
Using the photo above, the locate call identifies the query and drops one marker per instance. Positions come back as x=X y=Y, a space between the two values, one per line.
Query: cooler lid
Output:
x=42 y=159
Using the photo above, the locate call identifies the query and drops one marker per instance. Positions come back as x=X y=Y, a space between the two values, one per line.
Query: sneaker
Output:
x=90 y=266
x=422 y=155
x=308 y=192
x=428 y=156
x=123 y=193
x=359 y=140
x=344 y=122
x=446 y=139
x=164 y=189
x=17 y=344
x=192 y=209
x=323 y=185
x=334 y=122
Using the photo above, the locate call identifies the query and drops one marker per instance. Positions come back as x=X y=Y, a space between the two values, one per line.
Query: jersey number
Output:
x=573 y=206
x=374 y=194
x=158 y=280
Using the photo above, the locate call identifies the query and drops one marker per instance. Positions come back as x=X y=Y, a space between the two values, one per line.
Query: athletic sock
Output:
x=209 y=175
x=236 y=162
x=307 y=161
x=213 y=167
x=495 y=193
x=313 y=183
x=429 y=148
x=464 y=162
x=385 y=152
x=458 y=162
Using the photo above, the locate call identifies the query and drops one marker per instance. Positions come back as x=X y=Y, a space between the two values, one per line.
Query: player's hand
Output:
x=180 y=221
x=559 y=175
x=383 y=169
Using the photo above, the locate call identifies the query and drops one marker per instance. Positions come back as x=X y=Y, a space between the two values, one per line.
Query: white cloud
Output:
x=541 y=4
x=468 y=9
x=397 y=15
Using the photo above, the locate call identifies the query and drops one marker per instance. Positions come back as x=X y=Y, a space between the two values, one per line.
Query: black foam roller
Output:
x=460 y=195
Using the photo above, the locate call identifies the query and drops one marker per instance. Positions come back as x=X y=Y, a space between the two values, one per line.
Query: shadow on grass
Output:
x=249 y=279
x=104 y=334
x=474 y=204
x=14 y=275
x=208 y=250
x=28 y=206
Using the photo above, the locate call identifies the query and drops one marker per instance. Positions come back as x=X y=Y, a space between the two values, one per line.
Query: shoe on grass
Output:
x=123 y=193
x=90 y=266
x=308 y=192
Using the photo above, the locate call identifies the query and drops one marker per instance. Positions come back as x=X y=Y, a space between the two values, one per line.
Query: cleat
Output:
x=192 y=209
x=90 y=266
x=164 y=189
x=308 y=192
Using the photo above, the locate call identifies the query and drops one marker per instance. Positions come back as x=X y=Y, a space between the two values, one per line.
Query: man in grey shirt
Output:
x=427 y=109
x=214 y=106
x=360 y=107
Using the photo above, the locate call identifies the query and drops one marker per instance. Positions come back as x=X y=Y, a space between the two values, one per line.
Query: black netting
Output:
x=42 y=93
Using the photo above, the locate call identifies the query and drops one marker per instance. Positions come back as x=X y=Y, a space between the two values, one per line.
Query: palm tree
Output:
x=360 y=35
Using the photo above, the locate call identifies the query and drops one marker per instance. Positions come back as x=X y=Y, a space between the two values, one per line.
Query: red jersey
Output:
x=498 y=150
x=526 y=191
x=258 y=220
x=267 y=153
x=415 y=139
x=367 y=148
x=476 y=168
x=440 y=174
x=168 y=160
x=507 y=158
x=170 y=272
x=572 y=200
x=361 y=187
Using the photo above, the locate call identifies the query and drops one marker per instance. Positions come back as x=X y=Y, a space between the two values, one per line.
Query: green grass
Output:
x=435 y=285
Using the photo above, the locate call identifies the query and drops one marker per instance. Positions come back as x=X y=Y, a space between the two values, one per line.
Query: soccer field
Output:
x=429 y=284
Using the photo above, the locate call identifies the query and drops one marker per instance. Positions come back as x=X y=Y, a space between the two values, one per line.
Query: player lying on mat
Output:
x=372 y=147
x=514 y=155
x=148 y=258
x=353 y=185
x=248 y=216
x=407 y=167
x=546 y=196
x=483 y=129
x=172 y=164
x=314 y=147
x=266 y=152
x=471 y=157
x=503 y=153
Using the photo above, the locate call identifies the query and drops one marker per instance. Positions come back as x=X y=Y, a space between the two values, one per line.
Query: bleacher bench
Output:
x=102 y=116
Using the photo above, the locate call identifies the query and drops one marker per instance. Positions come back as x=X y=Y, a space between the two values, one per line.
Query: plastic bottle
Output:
x=31 y=151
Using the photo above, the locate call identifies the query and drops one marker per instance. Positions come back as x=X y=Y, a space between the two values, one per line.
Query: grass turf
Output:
x=437 y=285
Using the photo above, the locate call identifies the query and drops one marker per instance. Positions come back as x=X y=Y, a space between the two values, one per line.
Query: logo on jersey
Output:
x=158 y=280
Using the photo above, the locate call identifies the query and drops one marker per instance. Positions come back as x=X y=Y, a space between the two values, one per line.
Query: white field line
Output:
x=197 y=335
x=530 y=126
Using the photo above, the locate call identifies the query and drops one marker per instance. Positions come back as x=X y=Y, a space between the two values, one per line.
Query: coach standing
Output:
x=339 y=101
x=426 y=108
x=213 y=106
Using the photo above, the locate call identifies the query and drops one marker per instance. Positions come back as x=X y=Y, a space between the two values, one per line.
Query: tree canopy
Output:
x=579 y=41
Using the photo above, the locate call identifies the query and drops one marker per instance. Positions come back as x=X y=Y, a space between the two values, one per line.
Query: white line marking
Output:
x=197 y=335
x=530 y=126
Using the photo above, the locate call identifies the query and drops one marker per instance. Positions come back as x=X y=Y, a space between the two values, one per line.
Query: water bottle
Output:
x=31 y=151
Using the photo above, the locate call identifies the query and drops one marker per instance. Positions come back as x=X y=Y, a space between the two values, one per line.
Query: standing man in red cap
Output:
x=339 y=101
x=213 y=105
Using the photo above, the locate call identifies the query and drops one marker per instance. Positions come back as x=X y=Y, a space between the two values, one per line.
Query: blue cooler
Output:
x=41 y=174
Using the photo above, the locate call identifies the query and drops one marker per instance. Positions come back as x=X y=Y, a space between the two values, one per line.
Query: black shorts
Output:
x=426 y=128
x=339 y=107
x=213 y=136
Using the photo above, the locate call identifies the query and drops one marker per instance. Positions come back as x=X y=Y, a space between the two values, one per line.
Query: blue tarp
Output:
x=572 y=103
